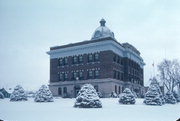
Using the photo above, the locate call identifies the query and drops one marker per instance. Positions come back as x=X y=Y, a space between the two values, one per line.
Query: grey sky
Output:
x=29 y=28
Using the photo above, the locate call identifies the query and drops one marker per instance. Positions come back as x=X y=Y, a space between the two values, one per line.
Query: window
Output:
x=90 y=74
x=75 y=60
x=96 y=57
x=119 y=89
x=114 y=58
x=59 y=91
x=90 y=58
x=119 y=75
x=115 y=89
x=122 y=78
x=80 y=59
x=61 y=62
x=65 y=61
x=80 y=75
x=65 y=76
x=60 y=77
x=96 y=73
x=121 y=62
x=65 y=90
x=75 y=75
x=114 y=74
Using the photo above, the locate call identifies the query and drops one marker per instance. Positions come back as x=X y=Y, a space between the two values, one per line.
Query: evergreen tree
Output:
x=1 y=95
x=87 y=98
x=127 y=97
x=154 y=95
x=18 y=94
x=169 y=98
x=43 y=95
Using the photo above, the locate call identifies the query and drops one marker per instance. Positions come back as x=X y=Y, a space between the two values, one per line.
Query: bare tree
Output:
x=170 y=74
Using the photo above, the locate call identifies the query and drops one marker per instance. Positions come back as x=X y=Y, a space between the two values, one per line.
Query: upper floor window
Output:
x=114 y=58
x=75 y=60
x=114 y=74
x=90 y=58
x=75 y=75
x=96 y=57
x=90 y=74
x=65 y=76
x=65 y=61
x=61 y=77
x=61 y=61
x=80 y=59
x=96 y=73
x=80 y=75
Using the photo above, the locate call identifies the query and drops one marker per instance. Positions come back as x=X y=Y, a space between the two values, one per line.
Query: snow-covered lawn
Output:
x=62 y=110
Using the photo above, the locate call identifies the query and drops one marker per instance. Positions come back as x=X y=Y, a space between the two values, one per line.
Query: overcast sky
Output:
x=28 y=28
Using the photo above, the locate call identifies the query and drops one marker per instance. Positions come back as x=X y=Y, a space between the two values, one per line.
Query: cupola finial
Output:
x=102 y=22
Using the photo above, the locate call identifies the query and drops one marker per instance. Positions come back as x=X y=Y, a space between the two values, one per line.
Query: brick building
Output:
x=102 y=61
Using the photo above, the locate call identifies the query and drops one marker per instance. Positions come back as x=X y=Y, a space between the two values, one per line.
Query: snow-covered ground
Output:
x=62 y=110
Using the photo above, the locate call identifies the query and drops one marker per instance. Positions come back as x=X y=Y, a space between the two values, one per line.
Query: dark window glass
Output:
x=96 y=73
x=75 y=75
x=65 y=90
x=119 y=75
x=121 y=62
x=59 y=91
x=65 y=61
x=114 y=74
x=96 y=57
x=61 y=61
x=75 y=60
x=115 y=89
x=122 y=76
x=114 y=58
x=80 y=59
x=61 y=77
x=90 y=74
x=119 y=89
x=90 y=58
x=80 y=74
x=65 y=76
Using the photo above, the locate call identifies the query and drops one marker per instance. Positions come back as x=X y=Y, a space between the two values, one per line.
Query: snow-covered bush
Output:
x=177 y=96
x=113 y=95
x=87 y=98
x=152 y=96
x=18 y=94
x=1 y=95
x=43 y=95
x=169 y=98
x=127 y=97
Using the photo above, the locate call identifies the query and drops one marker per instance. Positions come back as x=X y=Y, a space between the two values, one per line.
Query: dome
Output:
x=102 y=31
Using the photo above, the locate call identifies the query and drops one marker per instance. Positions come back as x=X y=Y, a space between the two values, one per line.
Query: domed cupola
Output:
x=102 y=31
